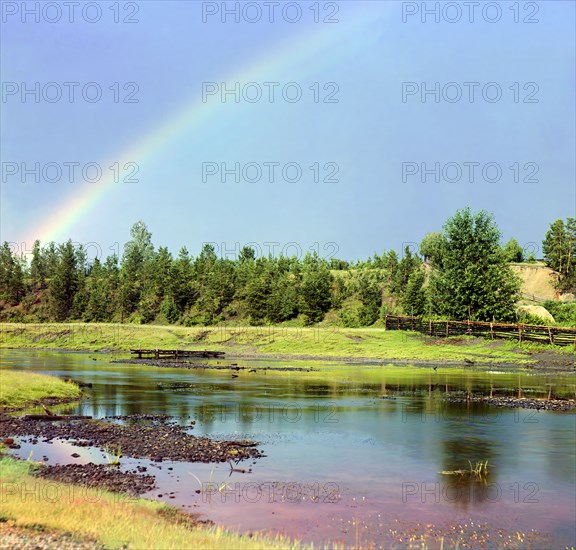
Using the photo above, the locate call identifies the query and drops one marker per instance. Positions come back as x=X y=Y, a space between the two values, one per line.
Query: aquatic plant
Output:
x=207 y=488
x=479 y=470
x=113 y=456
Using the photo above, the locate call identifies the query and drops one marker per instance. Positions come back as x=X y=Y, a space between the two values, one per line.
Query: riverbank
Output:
x=86 y=515
x=46 y=512
x=327 y=343
x=19 y=390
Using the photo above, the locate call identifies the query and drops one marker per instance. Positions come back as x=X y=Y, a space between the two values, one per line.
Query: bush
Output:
x=170 y=311
x=564 y=312
x=529 y=319
x=350 y=316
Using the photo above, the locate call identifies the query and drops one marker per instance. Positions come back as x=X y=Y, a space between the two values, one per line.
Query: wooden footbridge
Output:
x=175 y=354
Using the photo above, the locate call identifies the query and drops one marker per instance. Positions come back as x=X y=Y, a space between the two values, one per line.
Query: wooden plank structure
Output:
x=559 y=336
x=176 y=354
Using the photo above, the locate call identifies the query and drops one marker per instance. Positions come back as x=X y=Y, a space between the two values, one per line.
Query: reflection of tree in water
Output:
x=468 y=489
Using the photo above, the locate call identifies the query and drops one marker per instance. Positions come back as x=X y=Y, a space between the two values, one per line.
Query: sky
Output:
x=344 y=127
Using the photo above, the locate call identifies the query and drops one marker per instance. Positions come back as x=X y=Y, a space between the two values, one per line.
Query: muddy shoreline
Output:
x=174 y=364
x=518 y=402
x=156 y=440
x=153 y=437
x=102 y=476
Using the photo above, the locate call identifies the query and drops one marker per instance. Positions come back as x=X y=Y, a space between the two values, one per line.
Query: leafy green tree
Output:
x=138 y=252
x=513 y=251
x=431 y=248
x=475 y=281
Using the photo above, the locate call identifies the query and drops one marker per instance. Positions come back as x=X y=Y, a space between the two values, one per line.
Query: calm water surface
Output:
x=342 y=462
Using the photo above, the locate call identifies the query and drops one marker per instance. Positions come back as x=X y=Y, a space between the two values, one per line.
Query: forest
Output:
x=462 y=272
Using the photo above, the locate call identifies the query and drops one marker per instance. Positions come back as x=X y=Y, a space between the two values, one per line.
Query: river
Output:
x=352 y=456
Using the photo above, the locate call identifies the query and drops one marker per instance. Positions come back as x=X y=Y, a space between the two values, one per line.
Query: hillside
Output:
x=538 y=281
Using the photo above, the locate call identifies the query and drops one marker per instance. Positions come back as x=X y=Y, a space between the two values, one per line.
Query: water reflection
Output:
x=381 y=434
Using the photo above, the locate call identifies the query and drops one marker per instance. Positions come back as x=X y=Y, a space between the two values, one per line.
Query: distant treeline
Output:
x=461 y=273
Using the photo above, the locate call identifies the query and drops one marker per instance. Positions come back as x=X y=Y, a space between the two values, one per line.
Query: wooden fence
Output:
x=560 y=336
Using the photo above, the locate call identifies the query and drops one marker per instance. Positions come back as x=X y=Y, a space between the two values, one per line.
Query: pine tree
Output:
x=559 y=247
x=64 y=282
x=414 y=297
x=81 y=296
x=391 y=267
x=37 y=267
x=258 y=292
x=315 y=289
x=183 y=288
x=138 y=253
x=371 y=297
x=96 y=309
x=11 y=276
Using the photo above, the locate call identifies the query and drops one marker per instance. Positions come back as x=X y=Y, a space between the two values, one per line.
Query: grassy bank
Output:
x=111 y=519
x=20 y=389
x=320 y=342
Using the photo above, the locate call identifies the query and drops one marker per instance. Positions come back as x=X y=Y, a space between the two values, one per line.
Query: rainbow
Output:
x=62 y=220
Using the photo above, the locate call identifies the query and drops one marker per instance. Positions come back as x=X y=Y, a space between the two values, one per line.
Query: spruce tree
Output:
x=64 y=282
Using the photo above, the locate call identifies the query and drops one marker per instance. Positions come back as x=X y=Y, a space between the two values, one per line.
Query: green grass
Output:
x=113 y=520
x=320 y=342
x=20 y=389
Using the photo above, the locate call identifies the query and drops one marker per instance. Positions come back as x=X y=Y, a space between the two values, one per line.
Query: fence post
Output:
x=492 y=331
x=519 y=333
x=550 y=335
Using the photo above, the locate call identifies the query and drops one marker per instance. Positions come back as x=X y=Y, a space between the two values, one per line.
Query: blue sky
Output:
x=367 y=134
